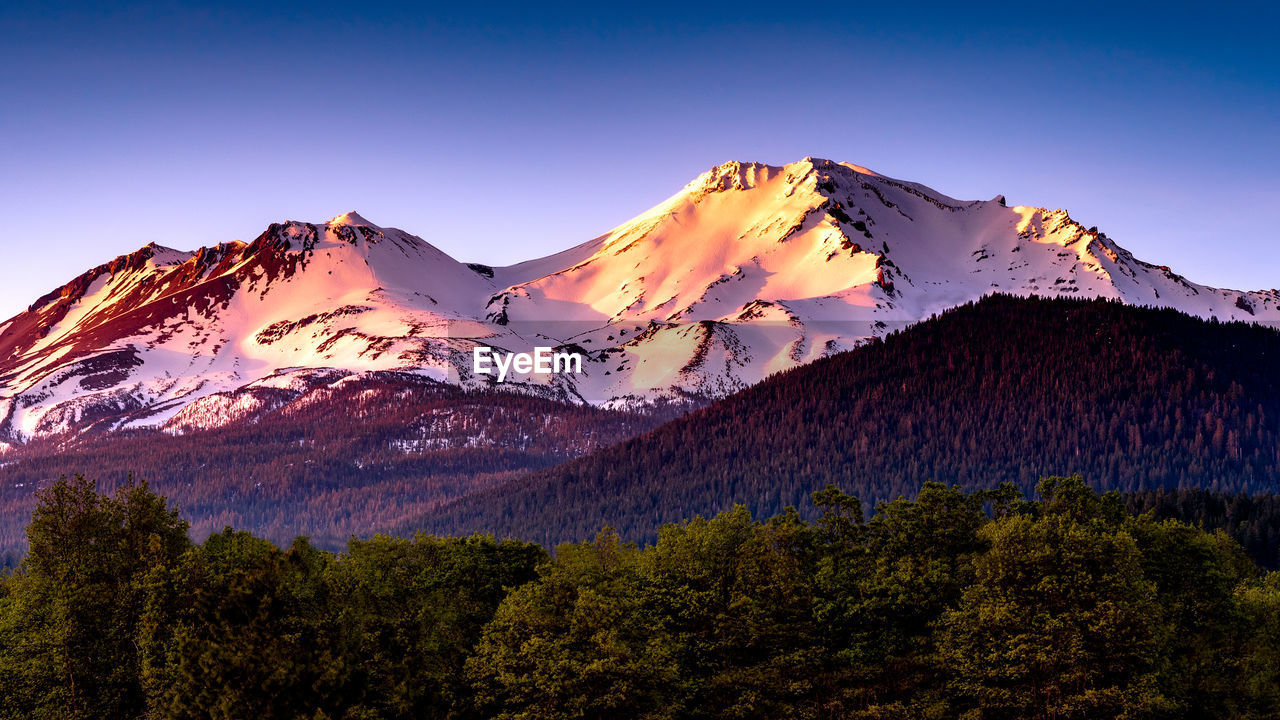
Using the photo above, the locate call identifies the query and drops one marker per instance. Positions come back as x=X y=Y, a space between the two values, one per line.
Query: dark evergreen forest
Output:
x=1252 y=520
x=1003 y=390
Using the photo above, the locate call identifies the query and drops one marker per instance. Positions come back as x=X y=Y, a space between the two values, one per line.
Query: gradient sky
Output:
x=512 y=131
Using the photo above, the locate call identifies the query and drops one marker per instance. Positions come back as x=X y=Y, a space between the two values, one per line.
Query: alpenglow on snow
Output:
x=748 y=270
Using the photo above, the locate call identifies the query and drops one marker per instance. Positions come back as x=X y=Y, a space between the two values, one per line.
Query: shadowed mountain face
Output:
x=748 y=270
x=349 y=454
x=1008 y=389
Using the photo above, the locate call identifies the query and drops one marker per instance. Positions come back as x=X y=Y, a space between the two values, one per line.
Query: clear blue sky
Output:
x=511 y=131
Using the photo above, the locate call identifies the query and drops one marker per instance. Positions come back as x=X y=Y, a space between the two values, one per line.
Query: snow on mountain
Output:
x=748 y=270
x=753 y=268
x=136 y=341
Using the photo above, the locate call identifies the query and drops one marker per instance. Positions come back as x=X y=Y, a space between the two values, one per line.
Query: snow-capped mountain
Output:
x=748 y=270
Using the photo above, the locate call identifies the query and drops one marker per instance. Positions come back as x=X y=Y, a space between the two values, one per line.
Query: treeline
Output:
x=114 y=613
x=1251 y=520
x=975 y=605
x=354 y=458
x=1003 y=390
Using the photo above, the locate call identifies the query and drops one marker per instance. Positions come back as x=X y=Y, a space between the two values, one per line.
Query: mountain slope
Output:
x=749 y=270
x=136 y=341
x=752 y=269
x=1008 y=389
x=349 y=454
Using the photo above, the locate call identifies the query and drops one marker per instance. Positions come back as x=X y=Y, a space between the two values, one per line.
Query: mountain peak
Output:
x=351 y=217
x=736 y=175
x=749 y=270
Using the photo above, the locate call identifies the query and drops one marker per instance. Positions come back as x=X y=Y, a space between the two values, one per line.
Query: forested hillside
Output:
x=950 y=605
x=1004 y=390
x=350 y=460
